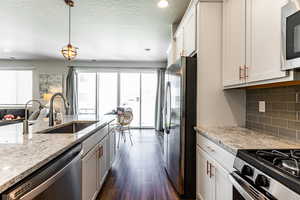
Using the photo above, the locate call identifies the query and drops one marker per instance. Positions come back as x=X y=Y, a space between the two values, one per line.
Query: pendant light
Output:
x=69 y=51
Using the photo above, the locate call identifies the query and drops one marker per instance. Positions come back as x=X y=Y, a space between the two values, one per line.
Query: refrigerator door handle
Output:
x=167 y=113
x=170 y=106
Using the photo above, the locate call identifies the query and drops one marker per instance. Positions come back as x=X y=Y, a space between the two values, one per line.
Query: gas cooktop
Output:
x=281 y=165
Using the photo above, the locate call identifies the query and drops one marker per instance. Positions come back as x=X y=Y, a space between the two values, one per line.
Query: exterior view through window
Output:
x=102 y=92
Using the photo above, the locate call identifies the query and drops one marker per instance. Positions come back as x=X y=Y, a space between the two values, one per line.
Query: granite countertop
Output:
x=236 y=138
x=20 y=155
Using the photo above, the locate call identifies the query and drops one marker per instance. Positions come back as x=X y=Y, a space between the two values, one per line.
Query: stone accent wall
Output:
x=282 y=116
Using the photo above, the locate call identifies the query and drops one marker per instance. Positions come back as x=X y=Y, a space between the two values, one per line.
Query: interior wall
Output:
x=215 y=107
x=60 y=66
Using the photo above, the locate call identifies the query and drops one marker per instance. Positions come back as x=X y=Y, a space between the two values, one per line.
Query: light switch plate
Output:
x=262 y=106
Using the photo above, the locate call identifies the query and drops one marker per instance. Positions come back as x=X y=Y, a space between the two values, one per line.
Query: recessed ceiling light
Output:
x=6 y=50
x=163 y=3
x=147 y=49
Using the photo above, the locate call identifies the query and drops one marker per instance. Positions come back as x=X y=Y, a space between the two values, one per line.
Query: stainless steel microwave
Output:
x=290 y=35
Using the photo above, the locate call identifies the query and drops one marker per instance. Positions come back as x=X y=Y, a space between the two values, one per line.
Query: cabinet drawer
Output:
x=93 y=140
x=222 y=156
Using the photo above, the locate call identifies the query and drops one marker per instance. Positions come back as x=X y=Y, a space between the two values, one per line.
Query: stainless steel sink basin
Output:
x=69 y=128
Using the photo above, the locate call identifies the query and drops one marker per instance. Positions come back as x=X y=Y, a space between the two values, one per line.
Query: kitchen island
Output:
x=21 y=155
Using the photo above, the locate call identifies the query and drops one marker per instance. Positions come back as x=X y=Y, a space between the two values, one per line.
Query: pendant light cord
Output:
x=70 y=24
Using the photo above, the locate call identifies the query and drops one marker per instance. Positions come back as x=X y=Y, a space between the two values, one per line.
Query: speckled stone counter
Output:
x=20 y=155
x=234 y=138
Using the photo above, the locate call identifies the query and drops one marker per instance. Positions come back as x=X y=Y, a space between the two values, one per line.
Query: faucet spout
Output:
x=25 y=122
x=51 y=109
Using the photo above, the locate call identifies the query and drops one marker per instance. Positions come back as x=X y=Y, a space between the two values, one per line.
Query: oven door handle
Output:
x=246 y=190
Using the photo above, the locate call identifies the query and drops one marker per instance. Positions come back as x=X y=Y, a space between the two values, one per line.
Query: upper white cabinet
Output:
x=189 y=32
x=252 y=43
x=179 y=43
x=234 y=41
x=185 y=36
x=264 y=40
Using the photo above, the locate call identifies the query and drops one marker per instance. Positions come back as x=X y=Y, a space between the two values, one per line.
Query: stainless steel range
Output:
x=266 y=175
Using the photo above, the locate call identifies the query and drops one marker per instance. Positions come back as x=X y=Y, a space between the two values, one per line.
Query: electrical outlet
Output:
x=262 y=106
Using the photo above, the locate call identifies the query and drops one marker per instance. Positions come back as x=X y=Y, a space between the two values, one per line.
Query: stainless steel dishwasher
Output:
x=58 y=180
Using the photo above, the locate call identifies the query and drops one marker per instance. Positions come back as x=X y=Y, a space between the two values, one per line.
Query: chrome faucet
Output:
x=25 y=122
x=51 y=112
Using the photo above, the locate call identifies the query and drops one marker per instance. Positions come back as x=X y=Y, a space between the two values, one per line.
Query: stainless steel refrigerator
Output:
x=179 y=121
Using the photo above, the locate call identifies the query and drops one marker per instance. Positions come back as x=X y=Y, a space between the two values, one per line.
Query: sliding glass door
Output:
x=107 y=92
x=102 y=92
x=130 y=95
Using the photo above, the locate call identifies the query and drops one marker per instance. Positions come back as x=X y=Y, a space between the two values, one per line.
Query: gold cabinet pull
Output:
x=240 y=72
x=246 y=71
x=207 y=167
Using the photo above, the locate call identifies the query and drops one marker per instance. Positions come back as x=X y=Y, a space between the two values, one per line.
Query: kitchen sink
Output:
x=69 y=128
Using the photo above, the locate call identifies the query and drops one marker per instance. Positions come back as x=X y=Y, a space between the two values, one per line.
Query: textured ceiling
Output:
x=102 y=29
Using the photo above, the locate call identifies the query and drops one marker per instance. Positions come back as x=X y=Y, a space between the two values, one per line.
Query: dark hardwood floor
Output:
x=138 y=172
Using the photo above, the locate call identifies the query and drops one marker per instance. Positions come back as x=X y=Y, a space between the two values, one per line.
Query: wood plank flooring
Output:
x=138 y=172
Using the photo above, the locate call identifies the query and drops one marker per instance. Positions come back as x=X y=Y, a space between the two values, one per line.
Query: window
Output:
x=15 y=87
x=87 y=93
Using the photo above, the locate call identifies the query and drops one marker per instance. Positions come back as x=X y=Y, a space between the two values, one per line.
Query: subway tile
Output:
x=288 y=115
x=265 y=120
x=280 y=122
x=252 y=118
x=287 y=133
x=279 y=106
x=271 y=130
x=294 y=125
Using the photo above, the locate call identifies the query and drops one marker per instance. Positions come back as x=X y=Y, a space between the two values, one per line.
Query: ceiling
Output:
x=102 y=29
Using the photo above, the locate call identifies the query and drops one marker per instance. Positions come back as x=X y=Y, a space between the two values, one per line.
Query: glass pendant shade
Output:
x=69 y=52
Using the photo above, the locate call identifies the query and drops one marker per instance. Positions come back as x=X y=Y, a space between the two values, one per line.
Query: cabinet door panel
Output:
x=204 y=183
x=90 y=175
x=264 y=36
x=179 y=43
x=189 y=35
x=101 y=163
x=222 y=186
x=234 y=40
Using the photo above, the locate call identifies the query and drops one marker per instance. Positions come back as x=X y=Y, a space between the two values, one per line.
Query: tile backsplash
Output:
x=282 y=114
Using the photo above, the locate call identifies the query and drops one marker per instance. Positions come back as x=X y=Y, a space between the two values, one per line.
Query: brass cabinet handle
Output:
x=245 y=71
x=210 y=170
x=207 y=167
x=240 y=72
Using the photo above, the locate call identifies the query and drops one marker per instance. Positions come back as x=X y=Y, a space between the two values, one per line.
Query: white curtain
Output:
x=71 y=90
x=159 y=99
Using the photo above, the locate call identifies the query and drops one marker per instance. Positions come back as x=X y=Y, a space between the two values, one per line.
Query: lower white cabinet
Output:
x=96 y=163
x=214 y=165
x=204 y=181
x=212 y=179
x=89 y=174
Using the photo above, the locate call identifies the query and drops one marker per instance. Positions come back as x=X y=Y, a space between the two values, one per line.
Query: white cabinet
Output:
x=264 y=40
x=204 y=182
x=101 y=163
x=252 y=42
x=189 y=32
x=222 y=185
x=213 y=167
x=185 y=36
x=97 y=161
x=112 y=147
x=234 y=41
x=179 y=43
x=212 y=179
x=90 y=174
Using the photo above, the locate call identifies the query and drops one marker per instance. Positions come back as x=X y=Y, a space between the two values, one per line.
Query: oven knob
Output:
x=247 y=170
x=262 y=181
